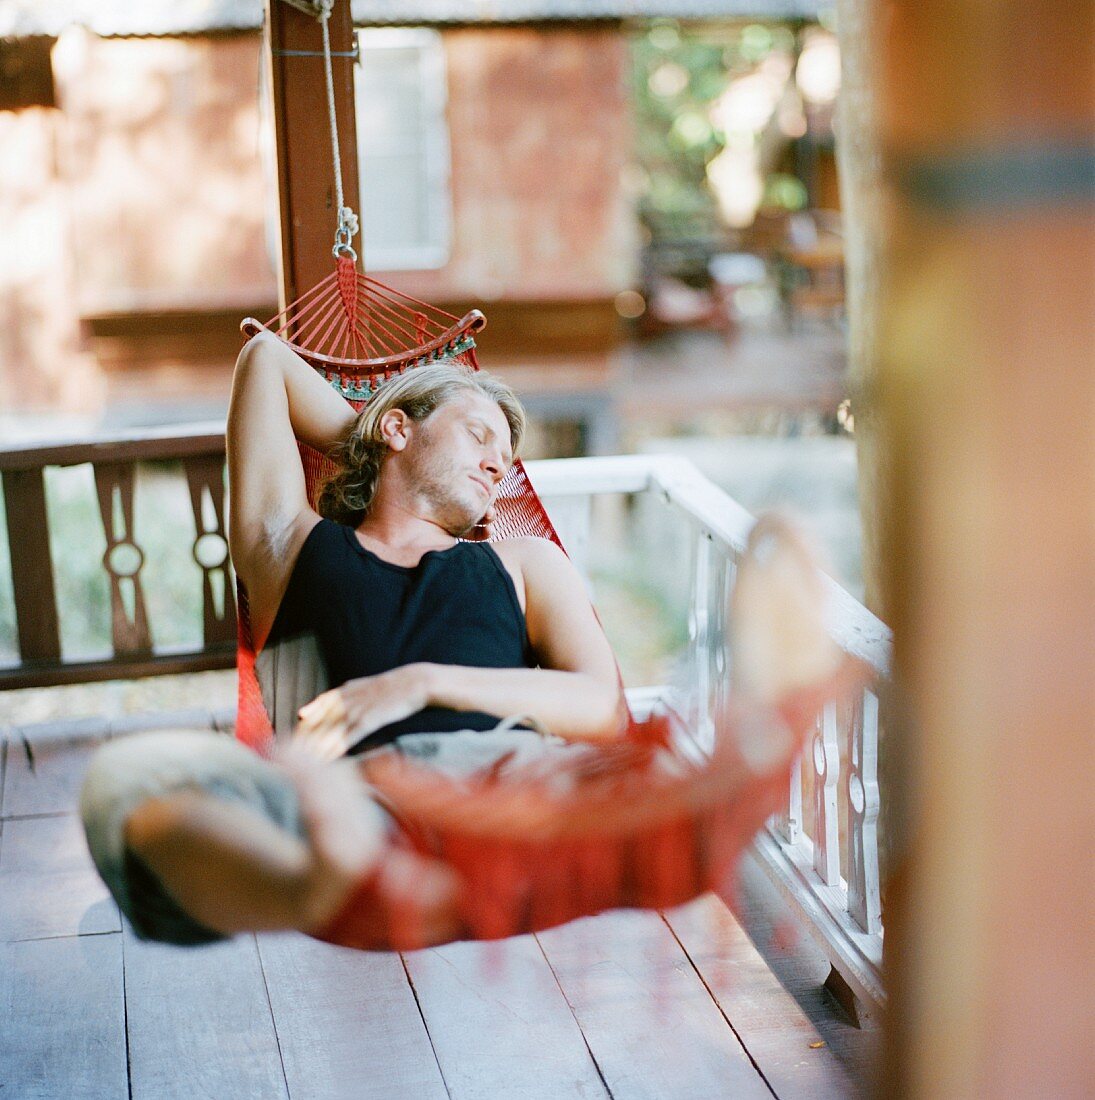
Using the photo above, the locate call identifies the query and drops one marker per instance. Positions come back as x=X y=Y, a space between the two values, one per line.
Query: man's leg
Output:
x=199 y=838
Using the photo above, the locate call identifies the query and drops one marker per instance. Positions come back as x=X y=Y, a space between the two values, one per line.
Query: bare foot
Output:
x=779 y=641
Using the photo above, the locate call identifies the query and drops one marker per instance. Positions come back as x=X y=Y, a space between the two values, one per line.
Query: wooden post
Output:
x=306 y=190
x=987 y=394
x=31 y=565
x=859 y=161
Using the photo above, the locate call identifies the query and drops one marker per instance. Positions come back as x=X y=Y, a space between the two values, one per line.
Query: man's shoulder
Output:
x=528 y=550
x=540 y=564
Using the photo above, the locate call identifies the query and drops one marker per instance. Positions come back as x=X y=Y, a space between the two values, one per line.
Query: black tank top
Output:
x=455 y=607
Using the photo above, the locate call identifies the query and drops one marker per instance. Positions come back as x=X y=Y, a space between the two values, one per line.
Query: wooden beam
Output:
x=174 y=441
x=861 y=200
x=31 y=565
x=56 y=673
x=306 y=190
x=986 y=391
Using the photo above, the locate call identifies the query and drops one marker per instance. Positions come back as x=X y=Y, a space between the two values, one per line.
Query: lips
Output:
x=482 y=485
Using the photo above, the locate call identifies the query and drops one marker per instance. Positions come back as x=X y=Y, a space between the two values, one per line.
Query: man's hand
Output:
x=335 y=721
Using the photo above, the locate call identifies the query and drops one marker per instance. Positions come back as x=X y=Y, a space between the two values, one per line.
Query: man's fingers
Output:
x=323 y=709
x=327 y=743
x=323 y=725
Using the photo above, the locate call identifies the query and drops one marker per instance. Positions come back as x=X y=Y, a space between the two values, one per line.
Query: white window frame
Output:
x=432 y=76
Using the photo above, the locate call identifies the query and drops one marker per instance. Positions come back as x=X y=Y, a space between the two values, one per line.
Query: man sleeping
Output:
x=462 y=655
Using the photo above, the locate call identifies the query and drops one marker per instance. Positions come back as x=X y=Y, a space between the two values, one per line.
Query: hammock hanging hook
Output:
x=345 y=233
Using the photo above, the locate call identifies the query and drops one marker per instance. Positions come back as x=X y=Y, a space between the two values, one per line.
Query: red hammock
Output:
x=631 y=824
x=350 y=313
x=624 y=826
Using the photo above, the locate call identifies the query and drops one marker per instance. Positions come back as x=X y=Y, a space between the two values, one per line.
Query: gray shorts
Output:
x=127 y=772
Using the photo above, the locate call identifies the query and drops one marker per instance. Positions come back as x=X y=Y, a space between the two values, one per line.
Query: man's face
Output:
x=458 y=456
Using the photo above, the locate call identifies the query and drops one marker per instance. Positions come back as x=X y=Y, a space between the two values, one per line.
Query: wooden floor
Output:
x=625 y=1005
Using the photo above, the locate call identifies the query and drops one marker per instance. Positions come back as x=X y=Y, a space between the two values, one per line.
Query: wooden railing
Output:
x=833 y=887
x=838 y=899
x=37 y=644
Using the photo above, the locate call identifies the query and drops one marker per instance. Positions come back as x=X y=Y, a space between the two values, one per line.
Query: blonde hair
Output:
x=347 y=495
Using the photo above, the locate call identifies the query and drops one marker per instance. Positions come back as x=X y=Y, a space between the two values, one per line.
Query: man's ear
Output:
x=393 y=428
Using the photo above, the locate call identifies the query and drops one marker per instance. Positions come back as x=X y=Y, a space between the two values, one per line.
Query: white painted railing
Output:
x=838 y=900
x=693 y=534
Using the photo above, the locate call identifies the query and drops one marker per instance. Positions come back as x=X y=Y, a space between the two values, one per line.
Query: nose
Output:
x=494 y=465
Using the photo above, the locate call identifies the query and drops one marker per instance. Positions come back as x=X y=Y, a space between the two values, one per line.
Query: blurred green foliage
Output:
x=678 y=74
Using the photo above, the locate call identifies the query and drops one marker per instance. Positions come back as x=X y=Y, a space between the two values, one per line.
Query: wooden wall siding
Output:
x=138 y=209
x=530 y=330
x=539 y=121
x=127 y=345
x=41 y=661
x=163 y=163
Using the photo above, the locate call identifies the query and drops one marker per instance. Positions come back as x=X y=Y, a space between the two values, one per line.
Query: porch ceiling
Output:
x=155 y=18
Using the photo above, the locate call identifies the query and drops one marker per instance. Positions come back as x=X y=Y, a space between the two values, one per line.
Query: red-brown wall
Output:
x=540 y=130
x=136 y=212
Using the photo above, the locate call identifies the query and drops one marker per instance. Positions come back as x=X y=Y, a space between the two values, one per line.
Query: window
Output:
x=403 y=149
x=26 y=73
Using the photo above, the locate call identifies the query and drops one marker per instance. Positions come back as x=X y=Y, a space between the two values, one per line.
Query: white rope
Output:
x=347 y=219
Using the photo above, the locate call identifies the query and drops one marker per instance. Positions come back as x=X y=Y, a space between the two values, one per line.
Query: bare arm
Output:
x=276 y=399
x=575 y=692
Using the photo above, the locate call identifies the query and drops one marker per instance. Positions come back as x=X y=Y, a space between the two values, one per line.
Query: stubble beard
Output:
x=439 y=485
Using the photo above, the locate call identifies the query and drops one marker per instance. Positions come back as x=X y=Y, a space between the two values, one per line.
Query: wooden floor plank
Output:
x=777 y=1033
x=62 y=1019
x=801 y=967
x=48 y=884
x=199 y=1022
x=650 y=1023
x=52 y=785
x=347 y=1023
x=499 y=1024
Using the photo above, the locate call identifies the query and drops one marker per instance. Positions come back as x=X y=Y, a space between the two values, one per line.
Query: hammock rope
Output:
x=348 y=224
